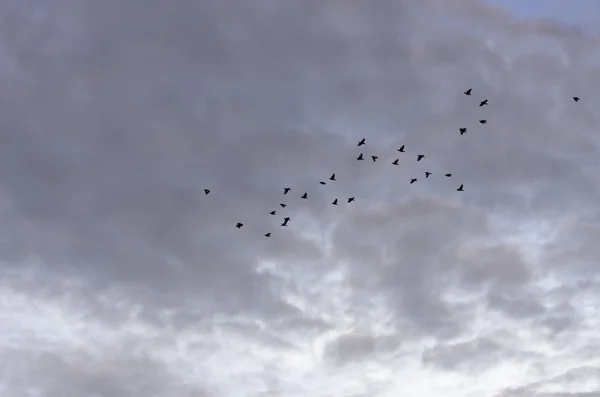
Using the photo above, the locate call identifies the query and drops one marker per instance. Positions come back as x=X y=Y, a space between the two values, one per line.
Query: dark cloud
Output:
x=126 y=279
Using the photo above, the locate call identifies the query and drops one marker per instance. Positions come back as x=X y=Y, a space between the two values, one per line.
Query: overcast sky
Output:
x=582 y=14
x=119 y=277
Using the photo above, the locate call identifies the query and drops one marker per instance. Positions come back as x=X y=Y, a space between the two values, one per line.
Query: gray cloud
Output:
x=452 y=357
x=120 y=277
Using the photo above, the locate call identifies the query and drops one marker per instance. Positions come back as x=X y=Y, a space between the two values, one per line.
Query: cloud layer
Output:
x=119 y=277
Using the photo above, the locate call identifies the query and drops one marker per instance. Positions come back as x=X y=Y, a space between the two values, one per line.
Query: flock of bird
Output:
x=362 y=142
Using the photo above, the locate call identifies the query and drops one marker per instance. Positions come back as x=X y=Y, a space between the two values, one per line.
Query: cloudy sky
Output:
x=118 y=277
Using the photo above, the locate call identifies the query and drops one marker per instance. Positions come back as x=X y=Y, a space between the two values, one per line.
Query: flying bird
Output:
x=286 y=190
x=482 y=121
x=239 y=225
x=427 y=174
x=283 y=205
x=420 y=157
x=323 y=183
x=483 y=103
x=576 y=98
x=396 y=162
x=332 y=177
x=460 y=189
x=361 y=142
x=334 y=202
x=360 y=157
x=374 y=158
x=413 y=181
x=448 y=175
x=268 y=235
x=351 y=199
x=401 y=149
x=463 y=131
x=285 y=221
x=272 y=212
x=206 y=191
x=468 y=92
x=305 y=195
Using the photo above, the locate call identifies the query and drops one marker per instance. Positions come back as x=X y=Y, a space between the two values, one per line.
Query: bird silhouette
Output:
x=332 y=177
x=396 y=162
x=286 y=190
x=283 y=205
x=239 y=225
x=267 y=234
x=468 y=92
x=463 y=131
x=334 y=202
x=427 y=174
x=272 y=212
x=460 y=189
x=350 y=199
x=374 y=158
x=285 y=221
x=360 y=157
x=305 y=195
x=323 y=183
x=401 y=149
x=206 y=191
x=420 y=157
x=361 y=142
x=413 y=180
x=483 y=103
x=448 y=175
x=482 y=121
x=576 y=98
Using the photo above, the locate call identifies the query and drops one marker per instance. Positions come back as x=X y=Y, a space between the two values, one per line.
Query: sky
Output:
x=582 y=14
x=119 y=277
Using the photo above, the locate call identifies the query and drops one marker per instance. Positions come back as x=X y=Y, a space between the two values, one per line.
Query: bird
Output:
x=286 y=190
x=420 y=157
x=396 y=162
x=374 y=158
x=468 y=92
x=332 y=177
x=239 y=225
x=413 y=180
x=272 y=212
x=283 y=205
x=361 y=142
x=267 y=234
x=576 y=98
x=460 y=189
x=427 y=174
x=482 y=121
x=401 y=149
x=334 y=202
x=305 y=195
x=360 y=157
x=462 y=131
x=350 y=199
x=323 y=183
x=483 y=103
x=285 y=221
x=447 y=175
x=206 y=191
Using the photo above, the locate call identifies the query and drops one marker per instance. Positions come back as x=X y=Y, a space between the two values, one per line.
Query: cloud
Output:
x=120 y=277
